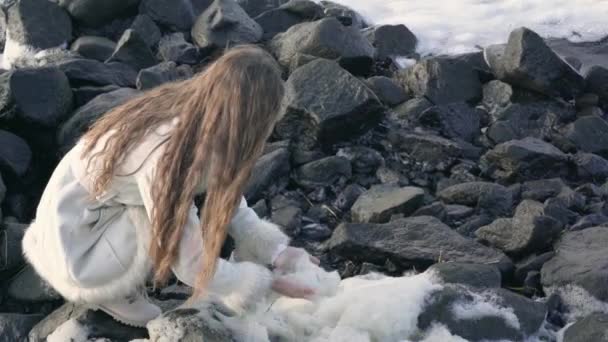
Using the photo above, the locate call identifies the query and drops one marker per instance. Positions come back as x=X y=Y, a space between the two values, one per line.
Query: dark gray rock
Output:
x=529 y=315
x=363 y=159
x=456 y=213
x=591 y=166
x=579 y=260
x=224 y=23
x=175 y=15
x=391 y=40
x=91 y=47
x=326 y=38
x=3 y=27
x=589 y=134
x=346 y=15
x=304 y=9
x=257 y=7
x=41 y=24
x=428 y=148
x=323 y=172
x=529 y=63
x=591 y=328
x=442 y=80
x=85 y=116
x=489 y=197
x=289 y=218
x=498 y=95
x=15 y=327
x=387 y=90
x=146 y=29
x=324 y=103
x=473 y=223
x=435 y=209
x=597 y=83
x=15 y=154
x=162 y=73
x=417 y=241
x=526 y=159
x=382 y=201
x=27 y=286
x=132 y=50
x=280 y=19
x=559 y=209
x=175 y=48
x=88 y=71
x=531 y=264
x=454 y=120
x=11 y=255
x=269 y=170
x=540 y=190
x=83 y=95
x=412 y=109
x=95 y=13
x=475 y=275
x=348 y=197
x=591 y=220
x=47 y=106
x=530 y=230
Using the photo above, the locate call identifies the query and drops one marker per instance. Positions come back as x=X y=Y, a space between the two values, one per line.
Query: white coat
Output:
x=94 y=250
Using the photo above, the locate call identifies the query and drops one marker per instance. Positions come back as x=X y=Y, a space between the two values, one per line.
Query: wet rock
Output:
x=526 y=159
x=132 y=50
x=91 y=72
x=348 y=197
x=476 y=275
x=271 y=168
x=589 y=134
x=591 y=328
x=162 y=73
x=540 y=190
x=531 y=264
x=451 y=305
x=176 y=15
x=323 y=172
x=391 y=40
x=530 y=230
x=346 y=15
x=225 y=23
x=47 y=106
x=304 y=9
x=412 y=109
x=363 y=159
x=280 y=19
x=454 y=120
x=82 y=95
x=324 y=103
x=498 y=95
x=91 y=47
x=146 y=29
x=529 y=63
x=326 y=38
x=94 y=13
x=597 y=83
x=38 y=23
x=411 y=242
x=382 y=201
x=442 y=80
x=15 y=327
x=15 y=154
x=591 y=166
x=175 y=48
x=387 y=90
x=257 y=7
x=72 y=129
x=579 y=261
x=490 y=197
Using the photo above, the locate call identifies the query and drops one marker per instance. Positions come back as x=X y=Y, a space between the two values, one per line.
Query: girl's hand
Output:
x=290 y=256
x=289 y=288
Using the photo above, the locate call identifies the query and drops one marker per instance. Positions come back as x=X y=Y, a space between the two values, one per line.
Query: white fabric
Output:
x=95 y=249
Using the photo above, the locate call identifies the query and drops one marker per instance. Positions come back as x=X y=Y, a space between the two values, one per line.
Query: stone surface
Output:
x=591 y=328
x=382 y=201
x=391 y=40
x=82 y=95
x=225 y=23
x=489 y=197
x=174 y=48
x=91 y=72
x=363 y=159
x=27 y=286
x=133 y=50
x=412 y=242
x=257 y=7
x=207 y=322
x=95 y=13
x=177 y=15
x=411 y=109
x=15 y=327
x=15 y=154
x=591 y=166
x=280 y=19
x=324 y=103
x=270 y=169
x=91 y=47
x=323 y=172
x=162 y=73
x=387 y=90
x=454 y=120
x=41 y=24
x=597 y=83
x=476 y=275
x=589 y=134
x=146 y=29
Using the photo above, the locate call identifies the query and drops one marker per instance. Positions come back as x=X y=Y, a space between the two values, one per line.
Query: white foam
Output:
x=484 y=305
x=71 y=330
x=580 y=302
x=453 y=27
x=438 y=332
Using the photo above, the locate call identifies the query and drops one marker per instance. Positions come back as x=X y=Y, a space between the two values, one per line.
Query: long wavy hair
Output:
x=226 y=113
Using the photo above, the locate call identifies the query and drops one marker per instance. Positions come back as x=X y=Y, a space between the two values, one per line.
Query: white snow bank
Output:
x=452 y=27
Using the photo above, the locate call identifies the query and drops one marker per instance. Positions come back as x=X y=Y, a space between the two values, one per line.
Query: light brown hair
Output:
x=225 y=113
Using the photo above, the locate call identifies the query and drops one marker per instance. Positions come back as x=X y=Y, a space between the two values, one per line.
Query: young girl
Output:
x=120 y=203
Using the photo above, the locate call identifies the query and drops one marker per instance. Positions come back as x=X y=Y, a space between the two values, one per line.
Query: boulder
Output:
x=90 y=72
x=591 y=328
x=532 y=263
x=591 y=220
x=323 y=172
x=257 y=7
x=162 y=73
x=363 y=159
x=346 y=15
x=15 y=154
x=530 y=230
x=14 y=327
x=47 y=106
x=475 y=275
x=224 y=23
x=27 y=286
x=325 y=38
x=597 y=83
x=345 y=199
x=382 y=201
x=175 y=48
x=497 y=95
x=11 y=255
x=591 y=166
x=175 y=15
x=86 y=115
x=412 y=109
x=522 y=160
x=391 y=40
x=41 y=24
x=579 y=261
x=280 y=19
x=488 y=197
x=132 y=50
x=95 y=13
x=411 y=242
x=442 y=80
x=428 y=148
x=589 y=134
x=324 y=103
x=528 y=62
x=387 y=90
x=269 y=170
x=91 y=47
x=82 y=95
x=146 y=29
x=455 y=120
x=540 y=190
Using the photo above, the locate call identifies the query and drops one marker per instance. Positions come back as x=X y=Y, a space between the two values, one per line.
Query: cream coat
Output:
x=94 y=250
